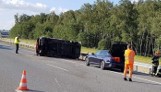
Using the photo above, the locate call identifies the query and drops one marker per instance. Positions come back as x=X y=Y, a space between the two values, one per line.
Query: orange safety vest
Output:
x=129 y=56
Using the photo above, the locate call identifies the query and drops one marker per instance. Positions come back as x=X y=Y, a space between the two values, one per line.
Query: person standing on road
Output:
x=17 y=43
x=37 y=46
x=129 y=62
x=155 y=63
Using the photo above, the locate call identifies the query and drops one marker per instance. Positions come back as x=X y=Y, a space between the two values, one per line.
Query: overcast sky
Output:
x=8 y=8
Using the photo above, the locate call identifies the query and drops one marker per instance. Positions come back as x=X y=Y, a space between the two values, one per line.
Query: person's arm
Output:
x=153 y=58
x=18 y=39
x=134 y=53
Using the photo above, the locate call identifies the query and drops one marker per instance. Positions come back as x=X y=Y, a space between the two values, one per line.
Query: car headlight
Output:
x=107 y=61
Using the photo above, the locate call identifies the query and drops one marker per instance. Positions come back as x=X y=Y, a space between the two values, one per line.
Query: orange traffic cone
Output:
x=23 y=82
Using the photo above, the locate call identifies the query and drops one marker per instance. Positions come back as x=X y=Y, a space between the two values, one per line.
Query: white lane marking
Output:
x=18 y=90
x=148 y=80
x=57 y=82
x=75 y=62
x=69 y=61
x=139 y=78
x=58 y=67
x=63 y=60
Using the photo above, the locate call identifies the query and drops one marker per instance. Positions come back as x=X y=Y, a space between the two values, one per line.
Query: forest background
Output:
x=99 y=25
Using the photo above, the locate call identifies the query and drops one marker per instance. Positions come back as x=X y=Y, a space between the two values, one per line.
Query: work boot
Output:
x=125 y=79
x=130 y=79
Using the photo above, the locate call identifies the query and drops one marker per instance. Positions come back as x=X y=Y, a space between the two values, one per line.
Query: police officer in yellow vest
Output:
x=17 y=43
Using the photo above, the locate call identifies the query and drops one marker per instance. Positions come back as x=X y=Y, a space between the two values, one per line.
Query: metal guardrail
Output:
x=142 y=67
x=9 y=41
x=83 y=56
x=27 y=45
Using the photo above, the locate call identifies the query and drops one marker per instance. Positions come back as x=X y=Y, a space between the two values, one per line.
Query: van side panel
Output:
x=59 y=48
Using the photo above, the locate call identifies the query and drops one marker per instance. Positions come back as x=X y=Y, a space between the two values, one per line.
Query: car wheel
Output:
x=103 y=65
x=87 y=62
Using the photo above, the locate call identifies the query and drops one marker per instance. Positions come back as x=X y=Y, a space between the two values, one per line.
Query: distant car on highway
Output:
x=113 y=58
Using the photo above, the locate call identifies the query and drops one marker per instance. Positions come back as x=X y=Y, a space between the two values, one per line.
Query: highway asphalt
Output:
x=49 y=74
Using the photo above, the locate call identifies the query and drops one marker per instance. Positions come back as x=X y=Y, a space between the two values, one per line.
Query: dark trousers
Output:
x=154 y=69
x=17 y=48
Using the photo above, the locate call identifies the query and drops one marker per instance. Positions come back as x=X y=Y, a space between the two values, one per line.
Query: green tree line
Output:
x=99 y=25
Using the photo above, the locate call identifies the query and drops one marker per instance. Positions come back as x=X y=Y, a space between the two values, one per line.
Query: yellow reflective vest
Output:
x=16 y=40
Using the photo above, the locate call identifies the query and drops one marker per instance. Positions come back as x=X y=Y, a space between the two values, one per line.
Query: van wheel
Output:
x=103 y=65
x=87 y=62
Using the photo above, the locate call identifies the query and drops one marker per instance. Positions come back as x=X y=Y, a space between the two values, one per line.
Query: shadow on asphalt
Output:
x=5 y=47
x=140 y=73
x=144 y=74
x=146 y=83
x=109 y=69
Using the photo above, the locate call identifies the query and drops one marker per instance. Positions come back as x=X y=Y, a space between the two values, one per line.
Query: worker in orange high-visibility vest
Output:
x=129 y=62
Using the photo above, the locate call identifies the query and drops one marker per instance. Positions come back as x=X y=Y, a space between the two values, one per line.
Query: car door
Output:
x=97 y=57
x=92 y=58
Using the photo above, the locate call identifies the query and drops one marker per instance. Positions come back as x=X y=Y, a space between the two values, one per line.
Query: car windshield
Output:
x=103 y=53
